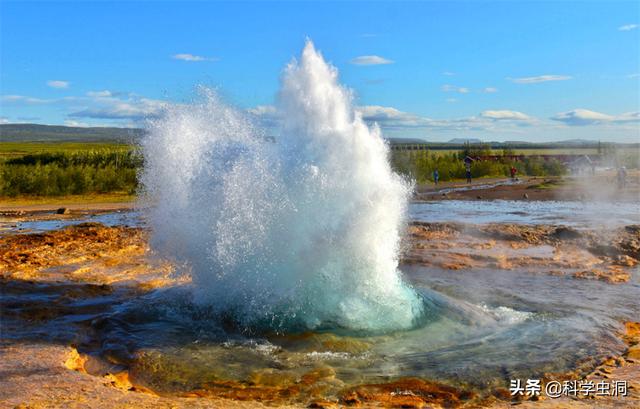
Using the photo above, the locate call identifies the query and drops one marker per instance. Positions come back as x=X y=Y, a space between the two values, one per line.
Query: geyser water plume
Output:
x=298 y=233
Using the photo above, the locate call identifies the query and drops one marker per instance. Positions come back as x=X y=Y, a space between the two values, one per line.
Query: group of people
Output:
x=467 y=166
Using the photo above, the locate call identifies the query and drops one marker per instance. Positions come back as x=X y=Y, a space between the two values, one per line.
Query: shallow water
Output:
x=130 y=218
x=485 y=328
x=570 y=213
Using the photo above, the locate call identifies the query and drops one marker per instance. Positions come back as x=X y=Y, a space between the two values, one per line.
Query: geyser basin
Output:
x=298 y=233
x=492 y=326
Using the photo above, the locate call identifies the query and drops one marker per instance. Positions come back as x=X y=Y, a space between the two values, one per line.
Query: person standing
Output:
x=436 y=176
x=622 y=177
x=467 y=167
x=513 y=171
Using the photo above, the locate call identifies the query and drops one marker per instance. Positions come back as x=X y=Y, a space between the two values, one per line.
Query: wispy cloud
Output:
x=21 y=99
x=583 y=117
x=100 y=94
x=394 y=119
x=132 y=108
x=389 y=117
x=58 y=84
x=4 y=120
x=453 y=88
x=502 y=115
x=489 y=90
x=540 y=78
x=628 y=27
x=449 y=73
x=371 y=60
x=119 y=107
x=193 y=58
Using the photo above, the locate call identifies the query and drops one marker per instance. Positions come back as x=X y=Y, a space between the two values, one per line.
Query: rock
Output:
x=633 y=228
x=566 y=233
x=322 y=404
x=633 y=352
x=525 y=196
x=479 y=197
x=62 y=210
x=75 y=361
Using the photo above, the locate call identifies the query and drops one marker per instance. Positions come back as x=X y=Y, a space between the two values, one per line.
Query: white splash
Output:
x=298 y=233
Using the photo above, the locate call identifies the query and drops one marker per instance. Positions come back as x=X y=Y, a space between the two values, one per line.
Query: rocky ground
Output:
x=66 y=266
x=602 y=255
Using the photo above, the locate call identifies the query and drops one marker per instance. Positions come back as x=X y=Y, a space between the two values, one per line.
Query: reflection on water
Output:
x=130 y=218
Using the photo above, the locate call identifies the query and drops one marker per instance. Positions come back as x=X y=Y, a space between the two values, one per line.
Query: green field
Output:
x=529 y=152
x=67 y=168
x=14 y=149
x=73 y=169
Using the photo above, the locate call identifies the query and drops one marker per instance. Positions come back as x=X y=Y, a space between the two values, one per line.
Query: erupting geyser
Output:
x=298 y=233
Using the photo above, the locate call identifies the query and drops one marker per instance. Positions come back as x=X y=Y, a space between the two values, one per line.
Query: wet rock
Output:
x=633 y=229
x=75 y=361
x=62 y=210
x=566 y=233
x=407 y=393
x=323 y=404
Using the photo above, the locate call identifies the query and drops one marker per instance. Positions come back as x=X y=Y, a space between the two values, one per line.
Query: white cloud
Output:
x=4 y=120
x=489 y=90
x=371 y=60
x=69 y=122
x=192 y=58
x=261 y=110
x=25 y=100
x=540 y=78
x=394 y=119
x=582 y=117
x=132 y=108
x=58 y=84
x=453 y=88
x=451 y=100
x=505 y=115
x=391 y=117
x=628 y=27
x=628 y=117
x=266 y=114
x=100 y=94
x=448 y=73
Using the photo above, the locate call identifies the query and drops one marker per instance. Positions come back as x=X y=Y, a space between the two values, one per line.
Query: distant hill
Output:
x=405 y=140
x=462 y=141
x=576 y=142
x=54 y=133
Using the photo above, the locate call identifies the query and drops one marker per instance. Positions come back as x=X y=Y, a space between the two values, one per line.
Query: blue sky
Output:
x=533 y=71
